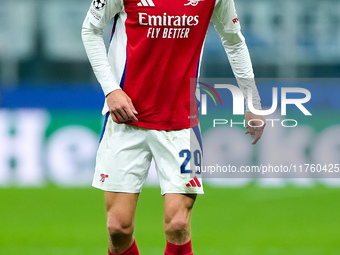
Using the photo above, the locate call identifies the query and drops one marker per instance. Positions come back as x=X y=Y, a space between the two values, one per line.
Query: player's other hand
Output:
x=121 y=107
x=255 y=125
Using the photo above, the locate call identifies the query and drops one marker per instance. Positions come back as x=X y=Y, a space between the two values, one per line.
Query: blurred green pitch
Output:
x=238 y=221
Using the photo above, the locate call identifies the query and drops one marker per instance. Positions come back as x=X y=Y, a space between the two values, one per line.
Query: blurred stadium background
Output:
x=50 y=124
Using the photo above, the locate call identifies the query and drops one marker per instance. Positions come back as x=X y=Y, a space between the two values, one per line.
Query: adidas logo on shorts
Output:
x=194 y=183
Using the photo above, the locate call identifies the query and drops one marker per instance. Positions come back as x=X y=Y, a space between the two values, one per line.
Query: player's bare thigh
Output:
x=177 y=213
x=120 y=212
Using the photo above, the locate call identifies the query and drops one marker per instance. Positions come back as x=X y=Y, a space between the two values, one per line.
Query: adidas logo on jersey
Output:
x=194 y=183
x=146 y=3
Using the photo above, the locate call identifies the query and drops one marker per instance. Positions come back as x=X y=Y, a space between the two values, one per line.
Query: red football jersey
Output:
x=155 y=50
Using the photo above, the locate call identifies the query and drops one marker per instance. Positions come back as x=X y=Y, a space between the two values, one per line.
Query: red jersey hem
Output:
x=163 y=127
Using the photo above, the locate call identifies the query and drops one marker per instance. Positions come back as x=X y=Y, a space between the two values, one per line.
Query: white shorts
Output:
x=125 y=153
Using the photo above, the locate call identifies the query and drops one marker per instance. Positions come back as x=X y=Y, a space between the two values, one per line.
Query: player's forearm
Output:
x=96 y=52
x=239 y=58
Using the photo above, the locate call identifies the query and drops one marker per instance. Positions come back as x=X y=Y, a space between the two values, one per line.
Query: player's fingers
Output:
x=252 y=131
x=123 y=117
x=258 y=135
x=114 y=118
x=247 y=131
x=132 y=107
x=131 y=115
x=119 y=117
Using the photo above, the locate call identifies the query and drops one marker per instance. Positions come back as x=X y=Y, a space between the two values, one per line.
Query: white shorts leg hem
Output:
x=118 y=190
x=199 y=192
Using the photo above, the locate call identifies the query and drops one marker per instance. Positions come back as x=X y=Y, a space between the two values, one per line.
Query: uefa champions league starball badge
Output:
x=99 y=4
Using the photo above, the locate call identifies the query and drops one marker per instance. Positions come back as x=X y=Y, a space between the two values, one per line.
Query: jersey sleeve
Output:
x=225 y=17
x=99 y=14
x=102 y=11
x=228 y=27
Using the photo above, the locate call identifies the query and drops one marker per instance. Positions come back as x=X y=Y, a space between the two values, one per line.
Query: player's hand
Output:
x=257 y=124
x=121 y=107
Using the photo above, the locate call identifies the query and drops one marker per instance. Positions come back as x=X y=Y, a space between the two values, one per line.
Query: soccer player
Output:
x=150 y=110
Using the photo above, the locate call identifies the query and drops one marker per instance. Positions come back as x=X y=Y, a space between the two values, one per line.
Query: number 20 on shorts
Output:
x=187 y=155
